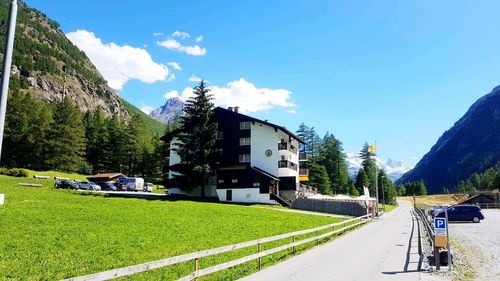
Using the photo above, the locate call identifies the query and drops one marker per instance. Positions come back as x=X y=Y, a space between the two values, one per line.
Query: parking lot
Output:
x=481 y=243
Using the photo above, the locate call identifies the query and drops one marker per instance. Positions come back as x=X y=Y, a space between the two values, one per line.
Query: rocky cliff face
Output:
x=48 y=65
x=471 y=145
x=169 y=112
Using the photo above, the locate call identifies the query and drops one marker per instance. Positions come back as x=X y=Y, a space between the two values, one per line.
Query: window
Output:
x=234 y=179
x=256 y=181
x=218 y=151
x=244 y=141
x=221 y=181
x=244 y=158
x=220 y=135
x=245 y=125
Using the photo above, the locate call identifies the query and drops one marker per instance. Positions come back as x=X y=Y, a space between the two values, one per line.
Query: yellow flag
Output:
x=372 y=148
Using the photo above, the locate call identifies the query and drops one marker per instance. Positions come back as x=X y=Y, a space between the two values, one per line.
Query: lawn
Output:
x=53 y=174
x=48 y=234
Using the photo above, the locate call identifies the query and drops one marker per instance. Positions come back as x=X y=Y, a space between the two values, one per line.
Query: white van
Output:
x=133 y=184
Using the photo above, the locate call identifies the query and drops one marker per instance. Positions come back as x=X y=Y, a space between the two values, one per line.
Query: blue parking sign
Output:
x=440 y=226
x=439 y=223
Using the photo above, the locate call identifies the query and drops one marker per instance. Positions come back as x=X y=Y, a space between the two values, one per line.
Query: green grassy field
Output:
x=49 y=234
x=53 y=174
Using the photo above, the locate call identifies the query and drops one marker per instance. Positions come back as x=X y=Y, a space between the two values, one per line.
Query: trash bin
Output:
x=443 y=257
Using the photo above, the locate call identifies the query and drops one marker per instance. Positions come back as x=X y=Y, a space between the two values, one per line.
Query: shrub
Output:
x=14 y=172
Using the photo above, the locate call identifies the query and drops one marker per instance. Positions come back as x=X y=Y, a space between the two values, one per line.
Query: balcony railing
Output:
x=303 y=172
x=287 y=164
x=304 y=157
x=287 y=146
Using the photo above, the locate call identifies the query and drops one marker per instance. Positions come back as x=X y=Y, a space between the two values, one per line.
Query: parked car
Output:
x=436 y=209
x=120 y=186
x=65 y=184
x=88 y=185
x=463 y=213
x=148 y=187
x=106 y=186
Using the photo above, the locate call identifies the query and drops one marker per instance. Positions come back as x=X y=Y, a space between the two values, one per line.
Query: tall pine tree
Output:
x=196 y=141
x=67 y=137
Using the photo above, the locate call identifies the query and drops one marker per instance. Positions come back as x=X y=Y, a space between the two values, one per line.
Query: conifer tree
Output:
x=67 y=137
x=318 y=178
x=332 y=157
x=196 y=141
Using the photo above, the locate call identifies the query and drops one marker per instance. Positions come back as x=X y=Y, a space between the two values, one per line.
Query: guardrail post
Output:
x=196 y=267
x=293 y=240
x=317 y=237
x=260 y=259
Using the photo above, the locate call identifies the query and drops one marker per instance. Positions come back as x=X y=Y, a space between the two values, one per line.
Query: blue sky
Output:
x=398 y=72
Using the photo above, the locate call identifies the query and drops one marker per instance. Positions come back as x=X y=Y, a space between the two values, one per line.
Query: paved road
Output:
x=381 y=250
x=482 y=243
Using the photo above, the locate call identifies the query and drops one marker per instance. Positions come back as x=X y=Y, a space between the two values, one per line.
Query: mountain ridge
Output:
x=47 y=65
x=471 y=145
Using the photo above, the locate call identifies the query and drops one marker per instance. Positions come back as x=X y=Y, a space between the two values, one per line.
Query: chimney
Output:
x=236 y=109
x=230 y=108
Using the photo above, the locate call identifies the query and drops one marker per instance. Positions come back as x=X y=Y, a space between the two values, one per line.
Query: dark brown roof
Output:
x=106 y=176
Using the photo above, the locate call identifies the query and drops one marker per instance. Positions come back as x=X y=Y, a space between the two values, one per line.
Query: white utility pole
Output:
x=7 y=61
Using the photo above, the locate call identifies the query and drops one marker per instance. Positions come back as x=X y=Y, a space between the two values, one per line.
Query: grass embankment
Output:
x=389 y=208
x=49 y=234
x=438 y=199
x=53 y=174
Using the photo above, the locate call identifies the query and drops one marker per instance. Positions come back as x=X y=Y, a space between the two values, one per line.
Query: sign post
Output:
x=448 y=240
x=440 y=238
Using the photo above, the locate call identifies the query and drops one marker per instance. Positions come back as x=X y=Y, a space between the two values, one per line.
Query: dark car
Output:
x=106 y=186
x=65 y=184
x=463 y=213
x=120 y=186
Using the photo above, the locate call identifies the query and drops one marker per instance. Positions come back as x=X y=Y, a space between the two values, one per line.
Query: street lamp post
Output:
x=7 y=62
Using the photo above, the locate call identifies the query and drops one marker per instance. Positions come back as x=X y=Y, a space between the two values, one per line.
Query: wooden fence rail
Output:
x=130 y=270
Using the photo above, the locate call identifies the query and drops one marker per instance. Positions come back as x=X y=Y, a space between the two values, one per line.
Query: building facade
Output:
x=258 y=162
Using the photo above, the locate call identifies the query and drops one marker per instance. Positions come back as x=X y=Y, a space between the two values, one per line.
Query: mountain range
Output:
x=471 y=146
x=393 y=169
x=47 y=65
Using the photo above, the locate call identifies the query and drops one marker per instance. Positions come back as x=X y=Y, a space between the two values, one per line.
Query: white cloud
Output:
x=171 y=94
x=118 y=64
x=174 y=65
x=158 y=34
x=175 y=45
x=199 y=39
x=194 y=78
x=245 y=95
x=291 y=111
x=181 y=34
x=146 y=108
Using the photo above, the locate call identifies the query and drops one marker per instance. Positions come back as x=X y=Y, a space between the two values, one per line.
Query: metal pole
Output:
x=376 y=183
x=448 y=240
x=7 y=62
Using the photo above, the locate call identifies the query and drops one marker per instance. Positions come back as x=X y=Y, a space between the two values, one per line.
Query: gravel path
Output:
x=482 y=244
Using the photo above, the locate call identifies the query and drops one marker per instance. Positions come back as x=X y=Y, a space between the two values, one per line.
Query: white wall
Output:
x=174 y=157
x=245 y=195
x=262 y=138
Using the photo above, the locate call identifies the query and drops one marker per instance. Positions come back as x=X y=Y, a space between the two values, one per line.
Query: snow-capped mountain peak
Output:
x=394 y=169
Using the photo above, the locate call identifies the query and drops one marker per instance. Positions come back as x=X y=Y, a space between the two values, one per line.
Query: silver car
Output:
x=88 y=185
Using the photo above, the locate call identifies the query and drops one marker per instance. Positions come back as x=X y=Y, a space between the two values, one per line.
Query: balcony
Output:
x=304 y=157
x=287 y=164
x=287 y=146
